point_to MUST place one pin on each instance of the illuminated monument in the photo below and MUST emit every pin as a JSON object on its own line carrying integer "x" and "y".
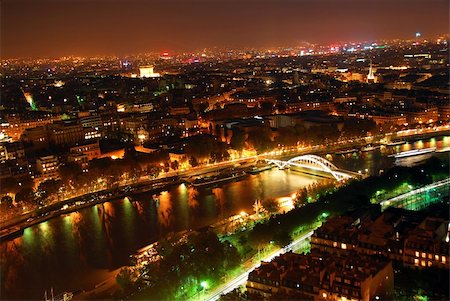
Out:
{"x": 147, "y": 71}
{"x": 371, "y": 77}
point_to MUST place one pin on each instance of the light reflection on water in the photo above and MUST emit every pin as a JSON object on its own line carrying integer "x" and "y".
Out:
{"x": 66, "y": 253}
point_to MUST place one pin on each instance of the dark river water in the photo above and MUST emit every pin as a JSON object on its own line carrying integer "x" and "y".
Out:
{"x": 78, "y": 250}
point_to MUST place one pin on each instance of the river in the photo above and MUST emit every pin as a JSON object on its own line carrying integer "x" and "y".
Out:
{"x": 78, "y": 250}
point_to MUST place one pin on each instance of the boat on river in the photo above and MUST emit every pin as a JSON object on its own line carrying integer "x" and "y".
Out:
{"x": 11, "y": 233}
{"x": 396, "y": 143}
{"x": 413, "y": 157}
{"x": 256, "y": 170}
{"x": 220, "y": 178}
{"x": 369, "y": 148}
{"x": 347, "y": 151}
{"x": 414, "y": 152}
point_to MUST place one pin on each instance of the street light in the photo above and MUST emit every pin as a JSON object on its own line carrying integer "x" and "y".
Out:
{"x": 204, "y": 285}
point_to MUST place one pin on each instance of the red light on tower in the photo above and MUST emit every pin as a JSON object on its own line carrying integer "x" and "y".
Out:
{"x": 165, "y": 55}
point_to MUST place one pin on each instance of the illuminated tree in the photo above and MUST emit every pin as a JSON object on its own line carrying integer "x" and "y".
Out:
{"x": 124, "y": 279}
{"x": 260, "y": 139}
{"x": 70, "y": 172}
{"x": 271, "y": 205}
{"x": 237, "y": 141}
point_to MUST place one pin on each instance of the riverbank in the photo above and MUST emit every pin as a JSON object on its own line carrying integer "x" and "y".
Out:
{"x": 102, "y": 290}
{"x": 13, "y": 228}
{"x": 72, "y": 247}
{"x": 227, "y": 230}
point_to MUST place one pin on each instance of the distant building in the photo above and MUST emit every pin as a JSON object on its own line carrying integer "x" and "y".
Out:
{"x": 91, "y": 150}
{"x": 420, "y": 115}
{"x": 147, "y": 71}
{"x": 92, "y": 121}
{"x": 36, "y": 138}
{"x": 295, "y": 107}
{"x": 10, "y": 151}
{"x": 279, "y": 121}
{"x": 371, "y": 75}
{"x": 133, "y": 124}
{"x": 444, "y": 112}
{"x": 66, "y": 133}
{"x": 184, "y": 110}
{"x": 14, "y": 168}
{"x": 47, "y": 168}
{"x": 178, "y": 155}
{"x": 389, "y": 118}
{"x": 16, "y": 125}
{"x": 79, "y": 158}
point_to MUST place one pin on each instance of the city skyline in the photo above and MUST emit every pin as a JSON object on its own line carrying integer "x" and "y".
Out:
{"x": 224, "y": 150}
{"x": 46, "y": 28}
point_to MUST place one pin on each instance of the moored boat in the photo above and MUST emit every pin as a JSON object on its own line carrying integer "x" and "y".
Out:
{"x": 256, "y": 170}
{"x": 396, "y": 143}
{"x": 207, "y": 181}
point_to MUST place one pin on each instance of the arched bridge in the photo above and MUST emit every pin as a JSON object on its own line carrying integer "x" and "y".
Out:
{"x": 313, "y": 162}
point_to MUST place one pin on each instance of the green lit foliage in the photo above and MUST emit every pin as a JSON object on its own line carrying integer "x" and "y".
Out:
{"x": 420, "y": 297}
{"x": 187, "y": 268}
{"x": 355, "y": 195}
{"x": 413, "y": 284}
{"x": 400, "y": 180}
{"x": 302, "y": 197}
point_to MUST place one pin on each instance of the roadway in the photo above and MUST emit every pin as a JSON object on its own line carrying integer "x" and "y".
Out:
{"x": 11, "y": 229}
{"x": 242, "y": 278}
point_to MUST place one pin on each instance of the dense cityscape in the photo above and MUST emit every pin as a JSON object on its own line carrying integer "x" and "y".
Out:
{"x": 315, "y": 171}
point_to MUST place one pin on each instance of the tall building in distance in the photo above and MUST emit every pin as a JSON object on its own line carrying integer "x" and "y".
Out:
{"x": 371, "y": 76}
{"x": 295, "y": 78}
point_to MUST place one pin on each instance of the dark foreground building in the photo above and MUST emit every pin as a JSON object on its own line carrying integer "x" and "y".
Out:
{"x": 320, "y": 275}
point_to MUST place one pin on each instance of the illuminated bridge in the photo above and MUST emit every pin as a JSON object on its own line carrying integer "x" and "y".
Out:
{"x": 314, "y": 163}
{"x": 420, "y": 198}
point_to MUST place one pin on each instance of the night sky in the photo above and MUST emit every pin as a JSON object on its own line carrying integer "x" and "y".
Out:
{"x": 49, "y": 28}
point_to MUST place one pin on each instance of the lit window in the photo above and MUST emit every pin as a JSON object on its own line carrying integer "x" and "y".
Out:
{"x": 424, "y": 255}
{"x": 423, "y": 263}
{"x": 324, "y": 295}
{"x": 436, "y": 257}
{"x": 444, "y": 259}
{"x": 344, "y": 246}
{"x": 416, "y": 261}
{"x": 417, "y": 254}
